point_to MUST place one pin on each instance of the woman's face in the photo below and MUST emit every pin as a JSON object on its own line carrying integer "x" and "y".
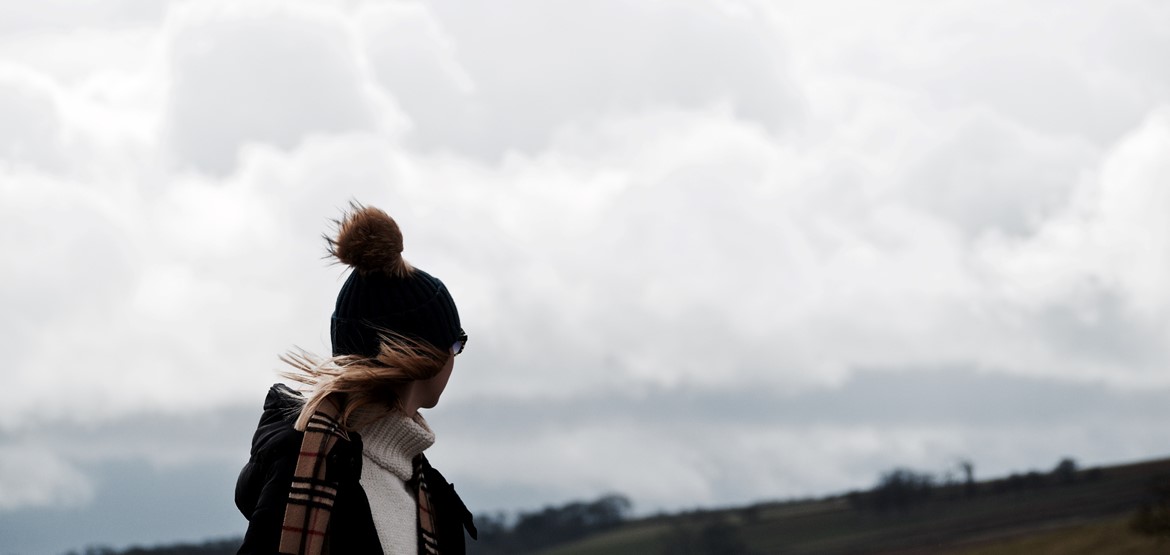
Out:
{"x": 430, "y": 390}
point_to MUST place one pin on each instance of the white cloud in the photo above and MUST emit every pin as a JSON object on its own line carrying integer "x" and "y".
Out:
{"x": 532, "y": 67}
{"x": 1130, "y": 234}
{"x": 1081, "y": 68}
{"x": 1099, "y": 267}
{"x": 32, "y": 133}
{"x": 412, "y": 56}
{"x": 67, "y": 16}
{"x": 1109, "y": 236}
{"x": 268, "y": 74}
{"x": 994, "y": 175}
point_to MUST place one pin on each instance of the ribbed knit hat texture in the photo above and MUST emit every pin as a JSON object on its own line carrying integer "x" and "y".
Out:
{"x": 384, "y": 293}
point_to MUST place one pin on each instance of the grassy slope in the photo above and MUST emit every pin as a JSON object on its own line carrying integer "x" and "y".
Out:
{"x": 628, "y": 540}
{"x": 1108, "y": 537}
{"x": 1089, "y": 514}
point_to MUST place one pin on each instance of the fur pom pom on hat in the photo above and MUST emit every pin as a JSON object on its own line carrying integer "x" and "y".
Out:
{"x": 384, "y": 294}
{"x": 369, "y": 240}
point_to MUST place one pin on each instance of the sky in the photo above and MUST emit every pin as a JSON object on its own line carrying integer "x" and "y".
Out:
{"x": 708, "y": 253}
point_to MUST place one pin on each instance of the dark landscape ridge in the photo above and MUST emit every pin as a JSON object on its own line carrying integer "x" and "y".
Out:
{"x": 1101, "y": 510}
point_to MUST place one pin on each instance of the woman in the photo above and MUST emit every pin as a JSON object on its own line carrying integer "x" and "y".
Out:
{"x": 341, "y": 470}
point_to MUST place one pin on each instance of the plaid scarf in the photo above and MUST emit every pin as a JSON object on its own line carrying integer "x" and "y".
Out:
{"x": 442, "y": 516}
{"x": 311, "y": 496}
{"x": 428, "y": 540}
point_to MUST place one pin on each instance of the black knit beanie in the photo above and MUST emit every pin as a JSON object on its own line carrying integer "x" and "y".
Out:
{"x": 384, "y": 294}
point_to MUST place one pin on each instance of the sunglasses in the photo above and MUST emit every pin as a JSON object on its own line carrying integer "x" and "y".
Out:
{"x": 457, "y": 346}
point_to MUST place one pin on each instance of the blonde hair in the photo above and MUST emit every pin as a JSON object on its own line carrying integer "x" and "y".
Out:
{"x": 365, "y": 386}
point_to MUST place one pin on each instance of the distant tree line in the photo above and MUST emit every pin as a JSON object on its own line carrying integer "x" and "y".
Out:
{"x": 533, "y": 531}
{"x": 902, "y": 488}
{"x": 1066, "y": 473}
{"x": 210, "y": 547}
{"x": 899, "y": 489}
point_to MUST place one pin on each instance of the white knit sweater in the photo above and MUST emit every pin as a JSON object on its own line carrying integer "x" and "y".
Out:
{"x": 389, "y": 446}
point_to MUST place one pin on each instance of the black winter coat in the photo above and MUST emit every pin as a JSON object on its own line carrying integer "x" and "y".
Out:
{"x": 263, "y": 485}
{"x": 262, "y": 488}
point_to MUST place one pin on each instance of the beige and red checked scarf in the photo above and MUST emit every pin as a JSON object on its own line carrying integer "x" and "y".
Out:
{"x": 311, "y": 497}
{"x": 428, "y": 541}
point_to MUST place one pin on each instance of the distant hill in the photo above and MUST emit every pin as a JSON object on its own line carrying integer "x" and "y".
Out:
{"x": 1063, "y": 511}
{"x": 1060, "y": 512}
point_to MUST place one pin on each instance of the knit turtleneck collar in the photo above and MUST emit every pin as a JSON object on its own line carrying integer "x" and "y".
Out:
{"x": 393, "y": 441}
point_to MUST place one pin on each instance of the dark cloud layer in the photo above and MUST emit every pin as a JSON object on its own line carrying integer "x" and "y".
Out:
{"x": 942, "y": 397}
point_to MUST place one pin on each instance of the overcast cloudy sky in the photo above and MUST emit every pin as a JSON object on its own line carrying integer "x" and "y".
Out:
{"x": 708, "y": 252}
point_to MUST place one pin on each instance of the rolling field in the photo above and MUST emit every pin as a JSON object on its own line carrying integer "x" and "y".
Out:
{"x": 1089, "y": 515}
{"x": 1107, "y": 537}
